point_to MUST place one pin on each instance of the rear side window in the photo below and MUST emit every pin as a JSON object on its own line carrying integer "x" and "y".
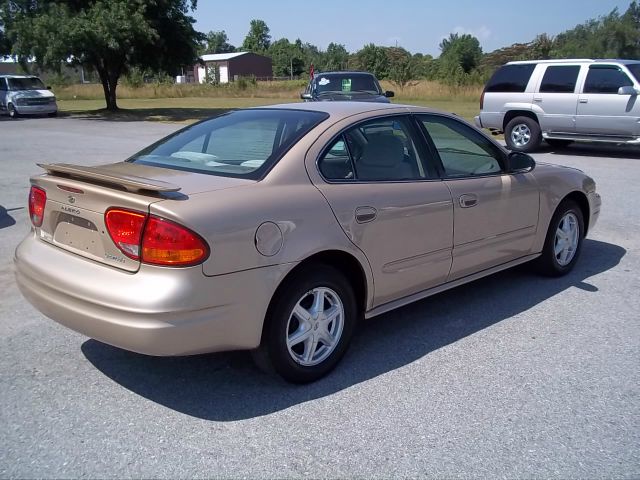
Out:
{"x": 560, "y": 79}
{"x": 605, "y": 79}
{"x": 3, "y": 85}
{"x": 511, "y": 78}
{"x": 635, "y": 70}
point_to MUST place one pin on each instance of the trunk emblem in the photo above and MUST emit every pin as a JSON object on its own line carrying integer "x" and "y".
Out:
{"x": 71, "y": 199}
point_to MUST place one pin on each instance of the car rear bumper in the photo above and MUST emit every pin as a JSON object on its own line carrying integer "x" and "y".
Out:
{"x": 156, "y": 311}
{"x": 36, "y": 109}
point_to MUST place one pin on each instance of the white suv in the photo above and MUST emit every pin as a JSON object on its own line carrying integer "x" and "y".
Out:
{"x": 26, "y": 95}
{"x": 562, "y": 101}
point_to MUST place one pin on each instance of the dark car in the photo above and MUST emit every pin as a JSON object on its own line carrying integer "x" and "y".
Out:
{"x": 350, "y": 86}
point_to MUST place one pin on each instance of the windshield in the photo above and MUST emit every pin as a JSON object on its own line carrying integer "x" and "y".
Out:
{"x": 346, "y": 83}
{"x": 242, "y": 144}
{"x": 29, "y": 83}
{"x": 634, "y": 68}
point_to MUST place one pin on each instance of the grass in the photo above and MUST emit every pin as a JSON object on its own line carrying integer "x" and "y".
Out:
{"x": 188, "y": 103}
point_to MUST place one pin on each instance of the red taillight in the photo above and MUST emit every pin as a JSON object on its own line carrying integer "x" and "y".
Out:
{"x": 167, "y": 243}
{"x": 154, "y": 240}
{"x": 37, "y": 202}
{"x": 125, "y": 228}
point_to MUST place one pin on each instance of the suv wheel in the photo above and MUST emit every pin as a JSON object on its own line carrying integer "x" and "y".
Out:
{"x": 13, "y": 113}
{"x": 522, "y": 134}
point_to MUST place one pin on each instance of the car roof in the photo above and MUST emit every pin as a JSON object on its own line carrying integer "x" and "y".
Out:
{"x": 346, "y": 108}
{"x": 18, "y": 76}
{"x": 575, "y": 60}
{"x": 345, "y": 72}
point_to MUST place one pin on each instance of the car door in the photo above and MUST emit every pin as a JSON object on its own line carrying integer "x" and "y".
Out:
{"x": 558, "y": 98}
{"x": 495, "y": 213}
{"x": 3, "y": 93}
{"x": 390, "y": 202}
{"x": 601, "y": 110}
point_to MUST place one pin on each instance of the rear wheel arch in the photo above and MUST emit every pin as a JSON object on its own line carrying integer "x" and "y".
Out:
{"x": 343, "y": 262}
{"x": 511, "y": 114}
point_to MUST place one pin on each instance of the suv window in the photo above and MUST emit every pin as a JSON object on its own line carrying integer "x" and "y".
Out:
{"x": 3, "y": 85}
{"x": 605, "y": 79}
{"x": 511, "y": 78}
{"x": 463, "y": 151}
{"x": 634, "y": 68}
{"x": 560, "y": 79}
{"x": 376, "y": 150}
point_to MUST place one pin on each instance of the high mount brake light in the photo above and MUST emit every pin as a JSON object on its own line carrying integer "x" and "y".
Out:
{"x": 154, "y": 240}
{"x": 37, "y": 202}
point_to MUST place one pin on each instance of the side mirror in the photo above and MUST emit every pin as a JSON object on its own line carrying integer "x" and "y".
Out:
{"x": 306, "y": 96}
{"x": 48, "y": 87}
{"x": 628, "y": 90}
{"x": 519, "y": 162}
{"x": 389, "y": 94}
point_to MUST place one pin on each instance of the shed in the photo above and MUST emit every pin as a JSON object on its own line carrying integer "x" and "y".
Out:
{"x": 230, "y": 66}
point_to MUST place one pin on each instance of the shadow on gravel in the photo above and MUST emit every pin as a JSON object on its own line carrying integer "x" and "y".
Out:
{"x": 227, "y": 387}
{"x": 594, "y": 150}
{"x": 7, "y": 220}
{"x": 147, "y": 114}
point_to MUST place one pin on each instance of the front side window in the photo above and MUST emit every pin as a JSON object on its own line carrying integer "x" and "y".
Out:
{"x": 28, "y": 83}
{"x": 376, "y": 150}
{"x": 634, "y": 68}
{"x": 560, "y": 79}
{"x": 3, "y": 85}
{"x": 241, "y": 144}
{"x": 605, "y": 79}
{"x": 463, "y": 151}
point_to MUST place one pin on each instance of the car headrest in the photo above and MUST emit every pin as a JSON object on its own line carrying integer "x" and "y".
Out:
{"x": 383, "y": 151}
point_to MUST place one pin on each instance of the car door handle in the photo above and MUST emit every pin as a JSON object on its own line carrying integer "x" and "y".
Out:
{"x": 365, "y": 214}
{"x": 584, "y": 100}
{"x": 537, "y": 99}
{"x": 468, "y": 200}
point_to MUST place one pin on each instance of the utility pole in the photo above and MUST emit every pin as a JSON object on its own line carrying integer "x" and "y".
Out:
{"x": 291, "y": 69}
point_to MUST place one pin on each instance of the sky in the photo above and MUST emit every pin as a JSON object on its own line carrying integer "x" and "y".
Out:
{"x": 416, "y": 25}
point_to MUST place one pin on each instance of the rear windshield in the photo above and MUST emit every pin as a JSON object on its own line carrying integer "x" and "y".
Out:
{"x": 634, "y": 68}
{"x": 31, "y": 83}
{"x": 511, "y": 78}
{"x": 243, "y": 143}
{"x": 346, "y": 83}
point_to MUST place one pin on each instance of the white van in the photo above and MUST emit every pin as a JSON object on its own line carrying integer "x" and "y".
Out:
{"x": 26, "y": 95}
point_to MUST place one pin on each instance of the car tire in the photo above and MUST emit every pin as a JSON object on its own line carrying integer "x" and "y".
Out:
{"x": 563, "y": 242}
{"x": 558, "y": 143}
{"x": 298, "y": 311}
{"x": 13, "y": 113}
{"x": 522, "y": 134}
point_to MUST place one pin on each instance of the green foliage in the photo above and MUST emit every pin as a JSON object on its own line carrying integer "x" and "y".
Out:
{"x": 216, "y": 42}
{"x": 112, "y": 36}
{"x": 258, "y": 39}
{"x": 609, "y": 36}
{"x": 288, "y": 58}
{"x": 336, "y": 57}
{"x": 402, "y": 66}
{"x": 461, "y": 50}
{"x": 374, "y": 59}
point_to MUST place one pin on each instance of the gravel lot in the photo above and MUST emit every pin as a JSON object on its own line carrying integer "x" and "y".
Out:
{"x": 511, "y": 376}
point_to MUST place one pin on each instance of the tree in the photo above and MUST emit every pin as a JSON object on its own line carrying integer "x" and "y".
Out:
{"x": 463, "y": 50}
{"x": 110, "y": 36}
{"x": 287, "y": 58}
{"x": 258, "y": 39}
{"x": 336, "y": 57}
{"x": 216, "y": 42}
{"x": 402, "y": 66}
{"x": 373, "y": 59}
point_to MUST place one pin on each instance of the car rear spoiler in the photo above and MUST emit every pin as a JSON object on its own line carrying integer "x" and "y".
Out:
{"x": 103, "y": 175}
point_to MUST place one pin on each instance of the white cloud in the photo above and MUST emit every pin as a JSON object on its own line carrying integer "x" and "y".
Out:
{"x": 481, "y": 33}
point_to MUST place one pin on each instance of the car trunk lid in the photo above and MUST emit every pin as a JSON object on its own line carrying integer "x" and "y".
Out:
{"x": 78, "y": 197}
